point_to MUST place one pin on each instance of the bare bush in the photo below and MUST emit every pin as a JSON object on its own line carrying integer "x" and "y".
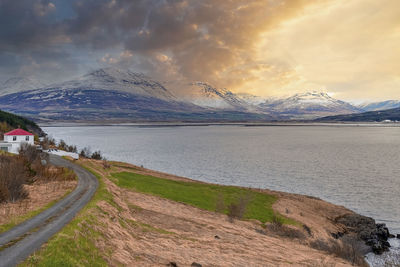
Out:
{"x": 237, "y": 209}
{"x": 277, "y": 227}
{"x": 106, "y": 164}
{"x": 12, "y": 179}
{"x": 220, "y": 204}
{"x": 53, "y": 173}
{"x": 348, "y": 249}
{"x": 29, "y": 153}
{"x": 308, "y": 230}
{"x": 47, "y": 142}
{"x": 277, "y": 221}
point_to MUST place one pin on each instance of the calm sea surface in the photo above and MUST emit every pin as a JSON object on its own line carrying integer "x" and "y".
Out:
{"x": 358, "y": 167}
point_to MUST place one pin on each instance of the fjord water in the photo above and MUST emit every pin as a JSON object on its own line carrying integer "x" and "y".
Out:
{"x": 354, "y": 166}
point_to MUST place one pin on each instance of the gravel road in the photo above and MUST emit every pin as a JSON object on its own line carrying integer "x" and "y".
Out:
{"x": 24, "y": 239}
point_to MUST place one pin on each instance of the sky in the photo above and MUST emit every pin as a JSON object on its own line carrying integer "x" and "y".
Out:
{"x": 350, "y": 49}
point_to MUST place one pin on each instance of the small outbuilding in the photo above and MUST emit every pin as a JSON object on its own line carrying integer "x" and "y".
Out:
{"x": 14, "y": 139}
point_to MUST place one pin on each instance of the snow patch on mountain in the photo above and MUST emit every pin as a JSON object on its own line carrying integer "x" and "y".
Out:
{"x": 205, "y": 95}
{"x": 251, "y": 99}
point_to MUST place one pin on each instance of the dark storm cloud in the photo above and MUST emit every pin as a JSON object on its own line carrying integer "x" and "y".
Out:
{"x": 201, "y": 40}
{"x": 27, "y": 24}
{"x": 192, "y": 39}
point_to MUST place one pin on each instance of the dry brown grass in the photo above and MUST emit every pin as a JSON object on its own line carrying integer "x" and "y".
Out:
{"x": 279, "y": 229}
{"x": 347, "y": 249}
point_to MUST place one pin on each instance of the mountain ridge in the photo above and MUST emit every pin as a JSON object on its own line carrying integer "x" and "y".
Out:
{"x": 18, "y": 84}
{"x": 108, "y": 93}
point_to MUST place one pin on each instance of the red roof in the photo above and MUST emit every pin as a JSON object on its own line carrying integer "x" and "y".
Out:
{"x": 18, "y": 132}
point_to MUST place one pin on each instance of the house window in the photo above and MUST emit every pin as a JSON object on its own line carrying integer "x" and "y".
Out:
{"x": 26, "y": 138}
{"x": 14, "y": 138}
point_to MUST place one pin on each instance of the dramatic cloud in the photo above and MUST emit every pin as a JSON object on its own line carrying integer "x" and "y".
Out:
{"x": 266, "y": 47}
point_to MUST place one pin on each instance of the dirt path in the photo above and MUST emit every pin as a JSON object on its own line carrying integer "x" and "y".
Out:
{"x": 22, "y": 240}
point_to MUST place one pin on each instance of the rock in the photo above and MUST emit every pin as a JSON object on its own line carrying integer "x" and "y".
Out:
{"x": 375, "y": 235}
{"x": 195, "y": 264}
{"x": 398, "y": 236}
{"x": 172, "y": 264}
{"x": 382, "y": 231}
{"x": 217, "y": 237}
{"x": 337, "y": 235}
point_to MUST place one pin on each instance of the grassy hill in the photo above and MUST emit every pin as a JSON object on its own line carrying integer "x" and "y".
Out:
{"x": 371, "y": 116}
{"x": 9, "y": 121}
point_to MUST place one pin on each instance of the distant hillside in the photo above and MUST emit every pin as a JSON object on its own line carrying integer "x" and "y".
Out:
{"x": 383, "y": 105}
{"x": 11, "y": 121}
{"x": 371, "y": 116}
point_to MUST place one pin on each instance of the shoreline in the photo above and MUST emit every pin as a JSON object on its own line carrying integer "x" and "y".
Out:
{"x": 375, "y": 235}
{"x": 352, "y": 223}
{"x": 373, "y": 239}
{"x": 246, "y": 124}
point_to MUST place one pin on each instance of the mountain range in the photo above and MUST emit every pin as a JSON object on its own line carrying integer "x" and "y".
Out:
{"x": 388, "y": 104}
{"x": 111, "y": 94}
{"x": 388, "y": 115}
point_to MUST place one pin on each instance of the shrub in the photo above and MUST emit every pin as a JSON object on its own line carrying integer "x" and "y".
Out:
{"x": 96, "y": 155}
{"x": 278, "y": 228}
{"x": 85, "y": 153}
{"x": 12, "y": 179}
{"x": 106, "y": 165}
{"x": 62, "y": 145}
{"x": 347, "y": 249}
{"x": 308, "y": 230}
{"x": 72, "y": 149}
{"x": 29, "y": 153}
{"x": 238, "y": 209}
{"x": 220, "y": 204}
{"x": 277, "y": 221}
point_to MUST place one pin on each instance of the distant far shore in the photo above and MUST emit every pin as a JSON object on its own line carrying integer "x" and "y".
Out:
{"x": 247, "y": 124}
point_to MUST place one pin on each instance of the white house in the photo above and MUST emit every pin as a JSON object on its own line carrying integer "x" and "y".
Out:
{"x": 13, "y": 140}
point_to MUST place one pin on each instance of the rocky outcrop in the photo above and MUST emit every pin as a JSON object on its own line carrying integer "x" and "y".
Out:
{"x": 375, "y": 235}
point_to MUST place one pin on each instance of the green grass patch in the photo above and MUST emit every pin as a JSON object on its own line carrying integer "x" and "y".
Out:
{"x": 75, "y": 245}
{"x": 204, "y": 196}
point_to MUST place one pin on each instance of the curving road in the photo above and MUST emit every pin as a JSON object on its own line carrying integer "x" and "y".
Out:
{"x": 24, "y": 239}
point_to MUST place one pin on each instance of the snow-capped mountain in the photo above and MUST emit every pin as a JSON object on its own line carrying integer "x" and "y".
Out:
{"x": 205, "y": 95}
{"x": 18, "y": 84}
{"x": 116, "y": 95}
{"x": 251, "y": 99}
{"x": 118, "y": 80}
{"x": 389, "y": 104}
{"x": 99, "y": 95}
{"x": 123, "y": 95}
{"x": 308, "y": 105}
